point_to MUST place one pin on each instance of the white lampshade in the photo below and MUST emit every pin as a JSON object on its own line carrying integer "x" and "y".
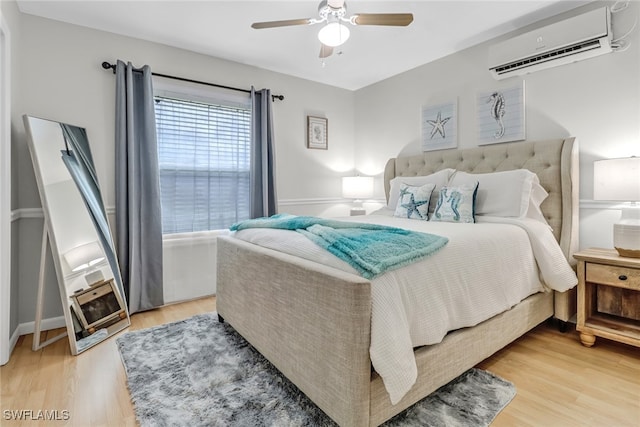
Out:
{"x": 357, "y": 187}
{"x": 619, "y": 180}
{"x": 84, "y": 256}
{"x": 333, "y": 34}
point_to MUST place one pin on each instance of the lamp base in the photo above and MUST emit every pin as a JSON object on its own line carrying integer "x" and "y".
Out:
{"x": 94, "y": 277}
{"x": 357, "y": 208}
{"x": 626, "y": 233}
{"x": 629, "y": 253}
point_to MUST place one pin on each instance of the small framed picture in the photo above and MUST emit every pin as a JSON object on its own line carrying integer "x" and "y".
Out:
{"x": 317, "y": 131}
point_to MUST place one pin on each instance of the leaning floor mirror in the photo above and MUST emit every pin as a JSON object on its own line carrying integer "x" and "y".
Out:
{"x": 77, "y": 231}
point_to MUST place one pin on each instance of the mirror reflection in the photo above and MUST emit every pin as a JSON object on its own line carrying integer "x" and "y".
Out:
{"x": 78, "y": 233}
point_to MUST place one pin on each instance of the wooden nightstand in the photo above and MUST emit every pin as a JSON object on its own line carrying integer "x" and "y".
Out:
{"x": 608, "y": 297}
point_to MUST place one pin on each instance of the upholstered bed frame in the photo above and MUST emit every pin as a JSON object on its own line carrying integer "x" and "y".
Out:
{"x": 313, "y": 322}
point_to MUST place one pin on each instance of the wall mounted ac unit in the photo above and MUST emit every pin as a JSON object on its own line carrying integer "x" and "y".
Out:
{"x": 581, "y": 37}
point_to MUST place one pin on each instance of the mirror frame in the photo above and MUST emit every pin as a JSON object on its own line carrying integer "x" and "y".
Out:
{"x": 98, "y": 286}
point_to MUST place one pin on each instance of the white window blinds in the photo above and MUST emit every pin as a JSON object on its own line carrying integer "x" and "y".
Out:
{"x": 203, "y": 155}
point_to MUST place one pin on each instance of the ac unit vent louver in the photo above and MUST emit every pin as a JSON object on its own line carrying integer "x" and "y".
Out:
{"x": 577, "y": 38}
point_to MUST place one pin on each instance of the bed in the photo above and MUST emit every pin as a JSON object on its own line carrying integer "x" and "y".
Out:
{"x": 313, "y": 321}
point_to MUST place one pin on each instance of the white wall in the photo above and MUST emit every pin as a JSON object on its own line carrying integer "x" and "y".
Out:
{"x": 61, "y": 79}
{"x": 60, "y": 66}
{"x": 596, "y": 100}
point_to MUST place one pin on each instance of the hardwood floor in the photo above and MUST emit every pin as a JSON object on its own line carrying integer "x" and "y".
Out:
{"x": 559, "y": 382}
{"x": 92, "y": 387}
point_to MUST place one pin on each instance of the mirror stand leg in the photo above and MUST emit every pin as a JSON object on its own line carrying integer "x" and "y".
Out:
{"x": 37, "y": 327}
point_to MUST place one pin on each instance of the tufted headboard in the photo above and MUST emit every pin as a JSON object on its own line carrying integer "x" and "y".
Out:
{"x": 554, "y": 161}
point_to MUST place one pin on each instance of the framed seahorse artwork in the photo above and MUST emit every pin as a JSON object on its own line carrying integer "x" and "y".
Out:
{"x": 440, "y": 126}
{"x": 501, "y": 115}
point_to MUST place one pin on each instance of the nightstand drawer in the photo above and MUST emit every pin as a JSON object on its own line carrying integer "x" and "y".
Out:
{"x": 611, "y": 275}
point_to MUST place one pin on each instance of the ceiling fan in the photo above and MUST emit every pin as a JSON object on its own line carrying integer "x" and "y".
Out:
{"x": 333, "y": 14}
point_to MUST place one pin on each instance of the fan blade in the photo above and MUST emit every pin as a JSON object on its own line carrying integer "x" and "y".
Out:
{"x": 286, "y": 23}
{"x": 394, "y": 19}
{"x": 325, "y": 51}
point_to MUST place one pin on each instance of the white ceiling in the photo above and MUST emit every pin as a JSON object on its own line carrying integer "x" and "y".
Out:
{"x": 373, "y": 53}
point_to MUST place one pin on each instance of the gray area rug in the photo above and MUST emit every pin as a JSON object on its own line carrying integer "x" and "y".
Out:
{"x": 199, "y": 372}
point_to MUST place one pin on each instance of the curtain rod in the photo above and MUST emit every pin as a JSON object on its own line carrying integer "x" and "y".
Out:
{"x": 107, "y": 66}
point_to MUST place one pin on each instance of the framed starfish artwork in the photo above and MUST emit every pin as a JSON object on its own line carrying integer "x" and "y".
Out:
{"x": 440, "y": 126}
{"x": 501, "y": 115}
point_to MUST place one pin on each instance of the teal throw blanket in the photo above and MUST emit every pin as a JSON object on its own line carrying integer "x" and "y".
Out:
{"x": 371, "y": 249}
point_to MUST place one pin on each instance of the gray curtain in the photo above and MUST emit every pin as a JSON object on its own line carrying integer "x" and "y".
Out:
{"x": 263, "y": 182}
{"x": 76, "y": 140}
{"x": 80, "y": 172}
{"x": 138, "y": 215}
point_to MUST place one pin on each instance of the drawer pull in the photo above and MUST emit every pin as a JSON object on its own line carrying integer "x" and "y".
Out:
{"x": 622, "y": 277}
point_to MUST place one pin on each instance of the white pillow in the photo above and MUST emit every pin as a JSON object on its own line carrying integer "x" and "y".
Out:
{"x": 456, "y": 203}
{"x": 538, "y": 194}
{"x": 439, "y": 178}
{"x": 413, "y": 202}
{"x": 505, "y": 194}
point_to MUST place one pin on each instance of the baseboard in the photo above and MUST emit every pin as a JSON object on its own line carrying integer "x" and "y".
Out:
{"x": 13, "y": 340}
{"x": 45, "y": 325}
{"x": 28, "y": 327}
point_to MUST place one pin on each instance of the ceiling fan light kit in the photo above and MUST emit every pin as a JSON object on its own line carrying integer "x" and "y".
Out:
{"x": 335, "y": 32}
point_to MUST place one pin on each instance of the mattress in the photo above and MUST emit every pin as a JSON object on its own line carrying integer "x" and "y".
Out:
{"x": 485, "y": 269}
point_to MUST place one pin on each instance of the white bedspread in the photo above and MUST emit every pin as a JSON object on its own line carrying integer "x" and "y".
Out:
{"x": 485, "y": 269}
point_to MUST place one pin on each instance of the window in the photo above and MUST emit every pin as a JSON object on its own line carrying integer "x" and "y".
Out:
{"x": 204, "y": 156}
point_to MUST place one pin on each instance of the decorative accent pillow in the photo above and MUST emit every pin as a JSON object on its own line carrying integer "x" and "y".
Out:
{"x": 505, "y": 193}
{"x": 439, "y": 178}
{"x": 456, "y": 203}
{"x": 413, "y": 202}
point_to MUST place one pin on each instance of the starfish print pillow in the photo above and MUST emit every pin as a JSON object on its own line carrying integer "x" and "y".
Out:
{"x": 413, "y": 202}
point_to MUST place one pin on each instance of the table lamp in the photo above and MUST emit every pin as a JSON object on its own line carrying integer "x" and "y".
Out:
{"x": 357, "y": 188}
{"x": 619, "y": 180}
